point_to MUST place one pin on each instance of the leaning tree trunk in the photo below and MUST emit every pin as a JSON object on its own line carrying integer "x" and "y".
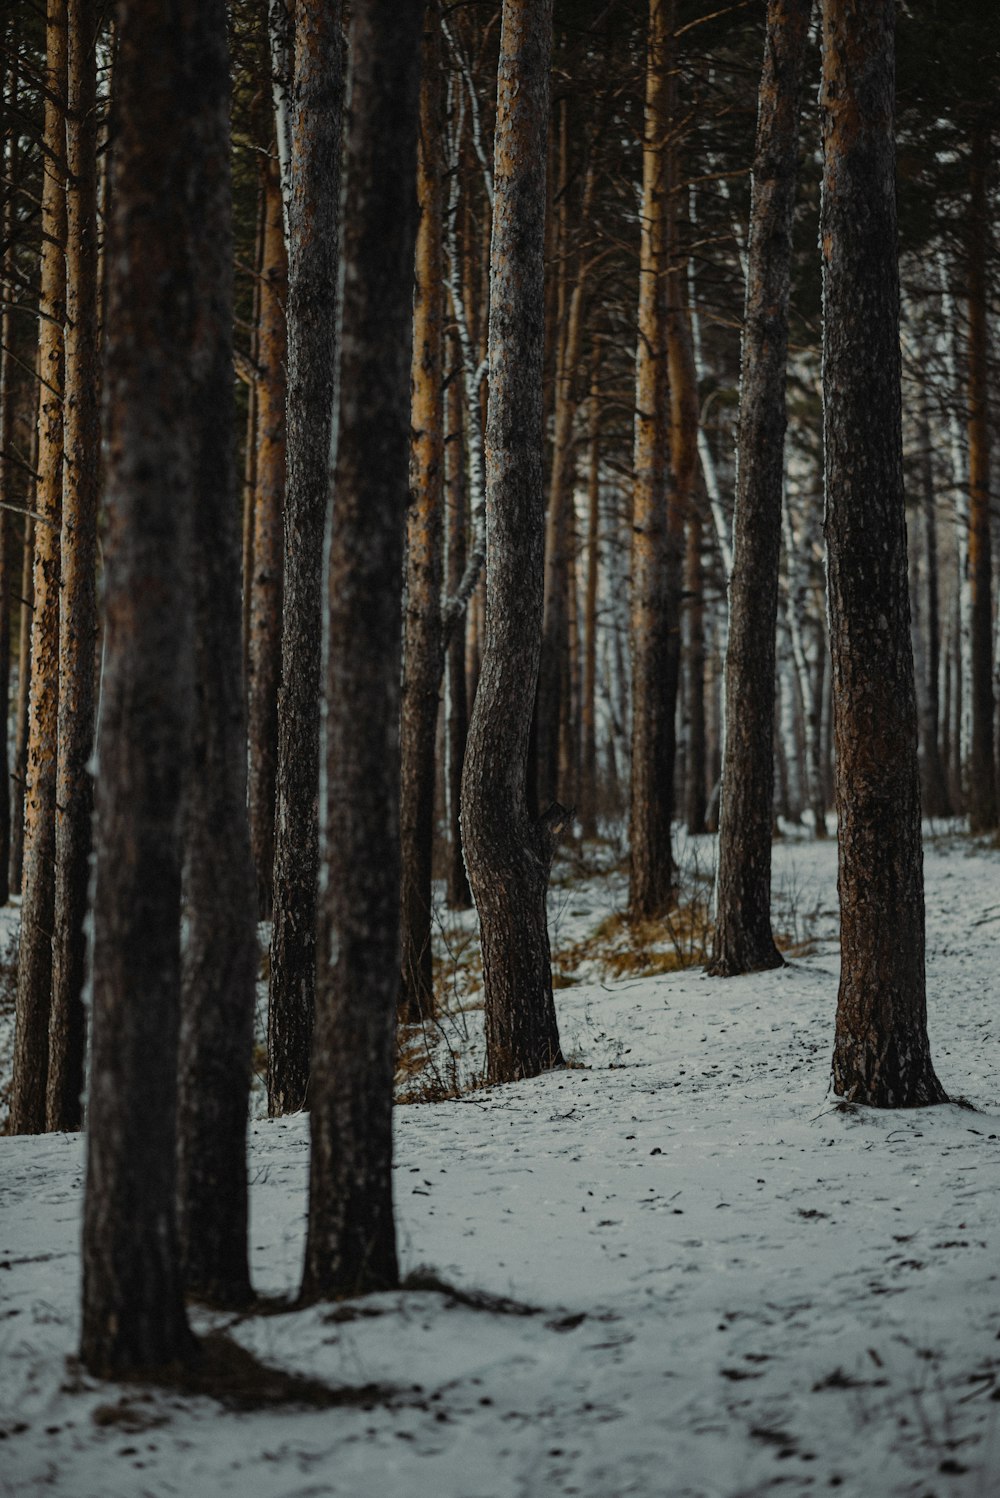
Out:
{"x": 133, "y": 1310}
{"x": 982, "y": 792}
{"x": 264, "y": 643}
{"x": 743, "y": 940}
{"x": 313, "y": 232}
{"x": 34, "y": 968}
{"x": 219, "y": 968}
{"x": 651, "y": 866}
{"x": 881, "y": 1054}
{"x": 507, "y": 854}
{"x": 351, "y": 1240}
{"x": 423, "y": 659}
{"x": 78, "y": 584}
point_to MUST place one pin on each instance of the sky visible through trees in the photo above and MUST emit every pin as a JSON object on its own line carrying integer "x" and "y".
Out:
{"x": 451, "y": 453}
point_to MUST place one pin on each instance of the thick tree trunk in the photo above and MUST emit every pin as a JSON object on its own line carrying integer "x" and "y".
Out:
{"x": 982, "y": 792}
{"x": 219, "y": 966}
{"x": 459, "y": 896}
{"x": 313, "y": 221}
{"x": 78, "y": 591}
{"x": 507, "y": 854}
{"x": 743, "y": 940}
{"x": 351, "y": 1241}
{"x": 881, "y": 1054}
{"x": 8, "y": 390}
{"x": 651, "y": 868}
{"x": 265, "y": 586}
{"x": 133, "y": 1311}
{"x": 423, "y": 643}
{"x": 34, "y": 970}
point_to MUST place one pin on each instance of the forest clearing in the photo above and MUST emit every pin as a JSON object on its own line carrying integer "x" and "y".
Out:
{"x": 679, "y": 1266}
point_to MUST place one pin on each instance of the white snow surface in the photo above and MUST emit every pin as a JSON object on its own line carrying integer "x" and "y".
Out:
{"x": 728, "y": 1286}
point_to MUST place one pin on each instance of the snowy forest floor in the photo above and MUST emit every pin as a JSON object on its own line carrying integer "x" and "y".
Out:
{"x": 677, "y": 1268}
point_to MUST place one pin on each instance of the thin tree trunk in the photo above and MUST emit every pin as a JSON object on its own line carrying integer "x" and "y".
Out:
{"x": 133, "y": 1310}
{"x": 351, "y": 1241}
{"x": 459, "y": 896}
{"x": 743, "y": 940}
{"x": 694, "y": 587}
{"x": 881, "y": 1053}
{"x": 934, "y": 783}
{"x": 651, "y": 867}
{"x": 588, "y": 718}
{"x": 265, "y": 595}
{"x": 219, "y": 964}
{"x": 23, "y": 694}
{"x": 982, "y": 797}
{"x": 74, "y": 797}
{"x": 507, "y": 853}
{"x": 34, "y": 971}
{"x": 423, "y": 644}
{"x": 313, "y": 221}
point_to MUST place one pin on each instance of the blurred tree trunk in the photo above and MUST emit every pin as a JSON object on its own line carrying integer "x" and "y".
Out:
{"x": 881, "y": 1053}
{"x": 219, "y": 960}
{"x": 423, "y": 642}
{"x": 265, "y": 582}
{"x": 743, "y": 939}
{"x": 351, "y": 1240}
{"x": 654, "y": 611}
{"x": 935, "y": 799}
{"x": 982, "y": 793}
{"x": 588, "y": 721}
{"x": 507, "y": 853}
{"x": 34, "y": 970}
{"x": 74, "y": 796}
{"x": 313, "y": 239}
{"x": 133, "y": 1309}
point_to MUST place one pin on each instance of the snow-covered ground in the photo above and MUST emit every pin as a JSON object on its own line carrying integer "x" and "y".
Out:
{"x": 679, "y": 1268}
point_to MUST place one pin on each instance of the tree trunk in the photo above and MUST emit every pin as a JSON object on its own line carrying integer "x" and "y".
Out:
{"x": 694, "y": 587}
{"x": 74, "y": 796}
{"x": 423, "y": 658}
{"x": 351, "y": 1242}
{"x": 219, "y": 965}
{"x": 935, "y": 799}
{"x": 881, "y": 1053}
{"x": 34, "y": 969}
{"x": 265, "y": 588}
{"x": 313, "y": 223}
{"x": 588, "y": 706}
{"x": 21, "y": 708}
{"x": 459, "y": 896}
{"x": 8, "y": 409}
{"x": 133, "y": 1311}
{"x": 982, "y": 797}
{"x": 507, "y": 854}
{"x": 651, "y": 867}
{"x": 743, "y": 940}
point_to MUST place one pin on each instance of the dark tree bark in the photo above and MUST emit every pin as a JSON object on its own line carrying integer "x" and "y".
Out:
{"x": 264, "y": 645}
{"x": 133, "y": 1311}
{"x": 982, "y": 791}
{"x": 696, "y": 793}
{"x": 459, "y": 895}
{"x": 654, "y": 610}
{"x": 507, "y": 854}
{"x": 219, "y": 966}
{"x": 881, "y": 1053}
{"x": 743, "y": 940}
{"x": 351, "y": 1242}
{"x": 21, "y": 707}
{"x": 8, "y": 390}
{"x": 423, "y": 660}
{"x": 34, "y": 969}
{"x": 74, "y": 796}
{"x": 588, "y": 705}
{"x": 313, "y": 234}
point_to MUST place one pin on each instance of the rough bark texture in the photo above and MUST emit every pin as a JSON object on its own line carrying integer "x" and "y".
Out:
{"x": 264, "y": 645}
{"x": 423, "y": 660}
{"x": 351, "y": 1242}
{"x": 9, "y": 159}
{"x": 34, "y": 969}
{"x": 881, "y": 1052}
{"x": 743, "y": 940}
{"x": 459, "y": 895}
{"x": 313, "y": 214}
{"x": 651, "y": 869}
{"x": 74, "y": 796}
{"x": 219, "y": 967}
{"x": 507, "y": 854}
{"x": 982, "y": 791}
{"x": 21, "y": 708}
{"x": 133, "y": 1312}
